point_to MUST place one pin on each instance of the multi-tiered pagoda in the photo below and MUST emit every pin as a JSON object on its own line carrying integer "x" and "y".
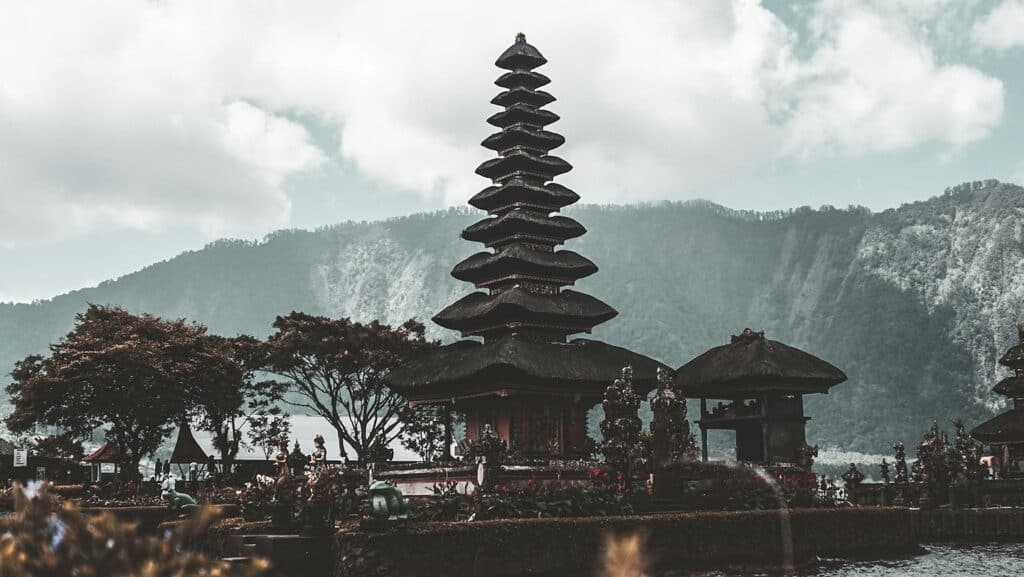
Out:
{"x": 1004, "y": 433}
{"x": 526, "y": 378}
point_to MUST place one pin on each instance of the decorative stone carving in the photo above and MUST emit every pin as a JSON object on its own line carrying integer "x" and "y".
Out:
{"x": 670, "y": 431}
{"x": 621, "y": 425}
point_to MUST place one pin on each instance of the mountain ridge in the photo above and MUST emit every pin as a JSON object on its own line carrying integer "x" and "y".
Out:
{"x": 914, "y": 303}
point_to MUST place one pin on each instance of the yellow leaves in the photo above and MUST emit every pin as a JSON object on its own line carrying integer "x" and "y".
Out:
{"x": 624, "y": 557}
{"x": 45, "y": 537}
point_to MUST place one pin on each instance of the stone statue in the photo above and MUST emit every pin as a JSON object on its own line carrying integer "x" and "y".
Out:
{"x": 671, "y": 440}
{"x": 180, "y": 503}
{"x": 167, "y": 485}
{"x": 901, "y": 462}
{"x": 318, "y": 459}
{"x": 852, "y": 477}
{"x": 806, "y": 455}
{"x": 281, "y": 459}
{"x": 621, "y": 425}
{"x": 297, "y": 460}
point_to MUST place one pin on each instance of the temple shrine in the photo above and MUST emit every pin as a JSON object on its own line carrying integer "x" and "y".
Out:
{"x": 524, "y": 377}
{"x": 760, "y": 384}
{"x": 1004, "y": 433}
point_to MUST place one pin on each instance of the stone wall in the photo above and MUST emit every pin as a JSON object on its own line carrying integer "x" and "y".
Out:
{"x": 538, "y": 546}
{"x": 968, "y": 525}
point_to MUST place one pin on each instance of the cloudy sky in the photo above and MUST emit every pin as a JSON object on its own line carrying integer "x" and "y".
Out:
{"x": 132, "y": 131}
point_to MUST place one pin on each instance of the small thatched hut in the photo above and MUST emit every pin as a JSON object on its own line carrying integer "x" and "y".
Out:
{"x": 761, "y": 383}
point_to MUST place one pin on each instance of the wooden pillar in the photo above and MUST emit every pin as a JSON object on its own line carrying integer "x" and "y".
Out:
{"x": 703, "y": 430}
{"x": 764, "y": 429}
{"x": 503, "y": 422}
{"x": 764, "y": 440}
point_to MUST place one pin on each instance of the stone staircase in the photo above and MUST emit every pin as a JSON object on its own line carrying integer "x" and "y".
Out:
{"x": 289, "y": 555}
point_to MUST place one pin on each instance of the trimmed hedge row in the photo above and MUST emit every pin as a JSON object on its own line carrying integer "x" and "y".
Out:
{"x": 524, "y": 546}
{"x": 68, "y": 491}
{"x": 149, "y": 518}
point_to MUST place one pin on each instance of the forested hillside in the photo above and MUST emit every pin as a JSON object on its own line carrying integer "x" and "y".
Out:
{"x": 915, "y": 304}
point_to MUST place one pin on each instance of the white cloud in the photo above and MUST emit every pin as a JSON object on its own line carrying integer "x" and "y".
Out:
{"x": 1002, "y": 28}
{"x": 142, "y": 114}
{"x": 874, "y": 85}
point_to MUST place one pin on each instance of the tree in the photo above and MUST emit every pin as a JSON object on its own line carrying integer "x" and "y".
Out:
{"x": 338, "y": 367}
{"x": 266, "y": 431}
{"x": 127, "y": 373}
{"x": 227, "y": 401}
{"x": 61, "y": 447}
{"x": 428, "y": 431}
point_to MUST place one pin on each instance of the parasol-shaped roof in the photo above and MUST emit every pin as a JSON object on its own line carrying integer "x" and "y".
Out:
{"x": 520, "y": 56}
{"x": 1010, "y": 387}
{"x": 751, "y": 363}
{"x": 1014, "y": 356}
{"x": 186, "y": 449}
{"x": 1005, "y": 428}
{"x": 513, "y": 364}
{"x": 107, "y": 453}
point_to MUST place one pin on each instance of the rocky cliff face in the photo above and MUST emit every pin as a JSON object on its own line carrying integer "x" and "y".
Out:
{"x": 915, "y": 304}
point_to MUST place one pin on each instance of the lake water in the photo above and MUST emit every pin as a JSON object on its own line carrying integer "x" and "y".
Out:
{"x": 996, "y": 560}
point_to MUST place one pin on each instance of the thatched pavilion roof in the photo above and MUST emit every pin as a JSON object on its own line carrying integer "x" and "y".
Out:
{"x": 515, "y": 365}
{"x": 750, "y": 363}
{"x": 1005, "y": 428}
{"x": 1010, "y": 387}
{"x": 186, "y": 449}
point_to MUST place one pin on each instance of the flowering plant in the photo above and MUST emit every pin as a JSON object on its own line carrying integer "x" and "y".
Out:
{"x": 602, "y": 494}
{"x": 255, "y": 499}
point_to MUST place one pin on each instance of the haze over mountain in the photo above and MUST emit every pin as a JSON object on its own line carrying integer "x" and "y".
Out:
{"x": 915, "y": 304}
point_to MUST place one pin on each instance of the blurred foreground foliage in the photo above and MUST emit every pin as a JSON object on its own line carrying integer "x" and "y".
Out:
{"x": 45, "y": 537}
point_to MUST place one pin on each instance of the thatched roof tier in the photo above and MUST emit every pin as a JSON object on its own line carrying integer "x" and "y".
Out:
{"x": 1011, "y": 387}
{"x": 1005, "y": 428}
{"x": 567, "y": 311}
{"x": 517, "y": 192}
{"x": 522, "y": 163}
{"x": 522, "y": 113}
{"x": 523, "y": 224}
{"x": 522, "y": 79}
{"x": 526, "y": 137}
{"x": 515, "y": 365}
{"x": 1014, "y": 358}
{"x": 513, "y": 260}
{"x": 753, "y": 364}
{"x": 521, "y": 95}
{"x": 520, "y": 56}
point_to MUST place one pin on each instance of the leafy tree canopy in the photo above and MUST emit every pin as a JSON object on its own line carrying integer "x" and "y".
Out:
{"x": 338, "y": 368}
{"x": 133, "y": 375}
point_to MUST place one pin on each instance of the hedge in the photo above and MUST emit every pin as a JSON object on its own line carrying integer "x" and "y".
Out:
{"x": 149, "y": 518}
{"x": 524, "y": 546}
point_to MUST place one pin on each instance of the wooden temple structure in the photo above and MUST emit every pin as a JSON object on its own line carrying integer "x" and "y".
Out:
{"x": 760, "y": 385}
{"x": 104, "y": 462}
{"x": 1004, "y": 433}
{"x": 519, "y": 371}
